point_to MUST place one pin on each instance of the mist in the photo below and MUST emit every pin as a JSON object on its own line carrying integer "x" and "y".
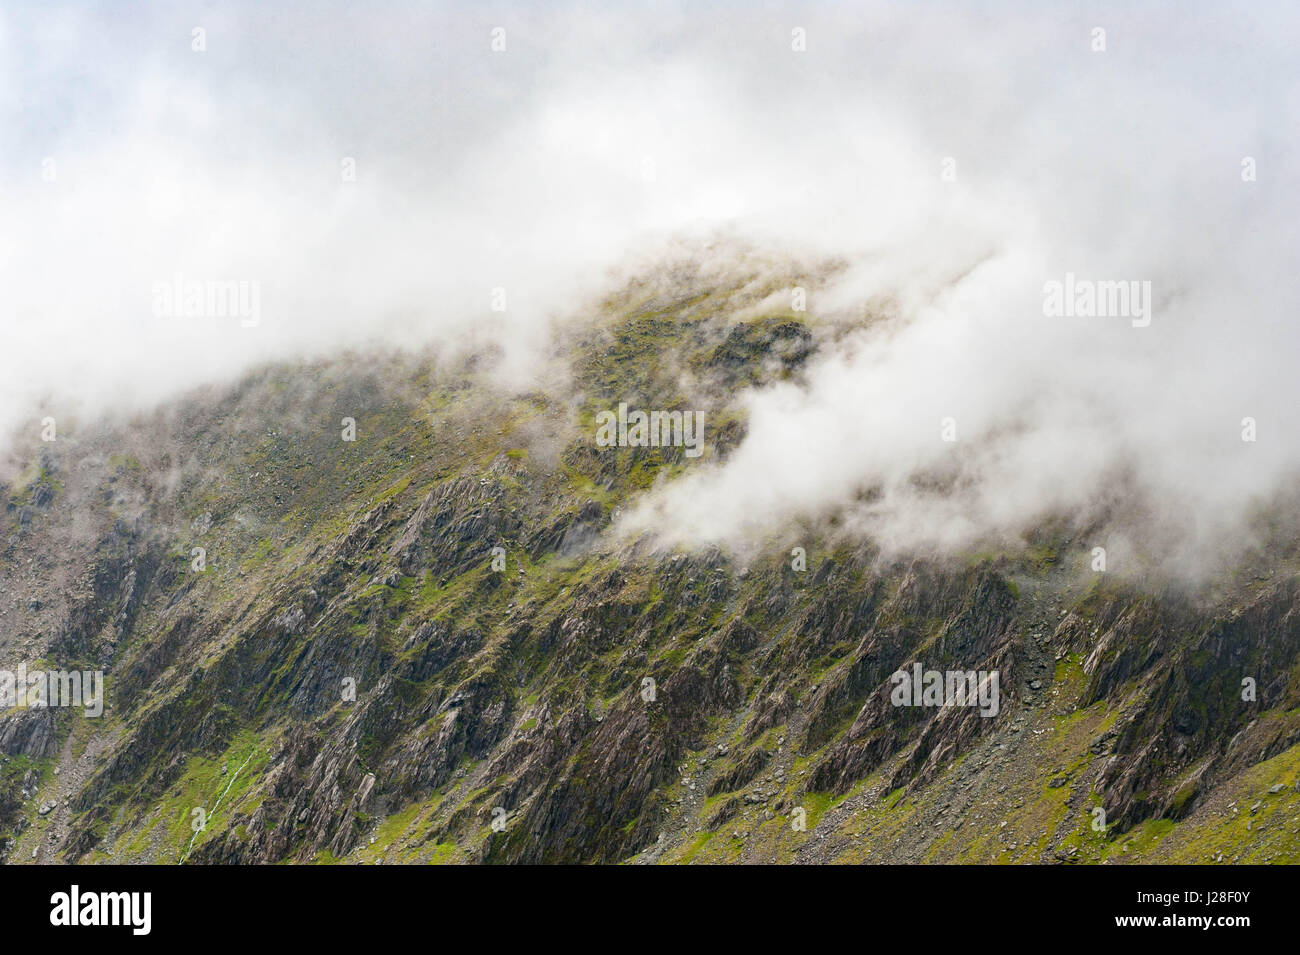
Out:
{"x": 957, "y": 161}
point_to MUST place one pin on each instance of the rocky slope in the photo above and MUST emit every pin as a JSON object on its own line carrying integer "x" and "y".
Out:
{"x": 423, "y": 645}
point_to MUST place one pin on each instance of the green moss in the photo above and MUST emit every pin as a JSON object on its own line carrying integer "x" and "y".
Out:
{"x": 202, "y": 785}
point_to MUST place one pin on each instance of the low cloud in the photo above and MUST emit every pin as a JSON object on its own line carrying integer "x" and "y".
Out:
{"x": 955, "y": 161}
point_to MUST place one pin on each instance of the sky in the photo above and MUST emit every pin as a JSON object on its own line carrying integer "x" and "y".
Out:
{"x": 957, "y": 156}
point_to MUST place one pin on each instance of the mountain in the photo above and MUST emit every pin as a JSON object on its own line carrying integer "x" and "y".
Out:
{"x": 432, "y": 643}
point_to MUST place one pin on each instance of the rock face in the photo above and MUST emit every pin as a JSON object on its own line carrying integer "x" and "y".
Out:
{"x": 425, "y": 645}
{"x": 28, "y": 733}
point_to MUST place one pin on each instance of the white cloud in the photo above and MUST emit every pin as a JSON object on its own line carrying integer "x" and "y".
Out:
{"x": 527, "y": 170}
